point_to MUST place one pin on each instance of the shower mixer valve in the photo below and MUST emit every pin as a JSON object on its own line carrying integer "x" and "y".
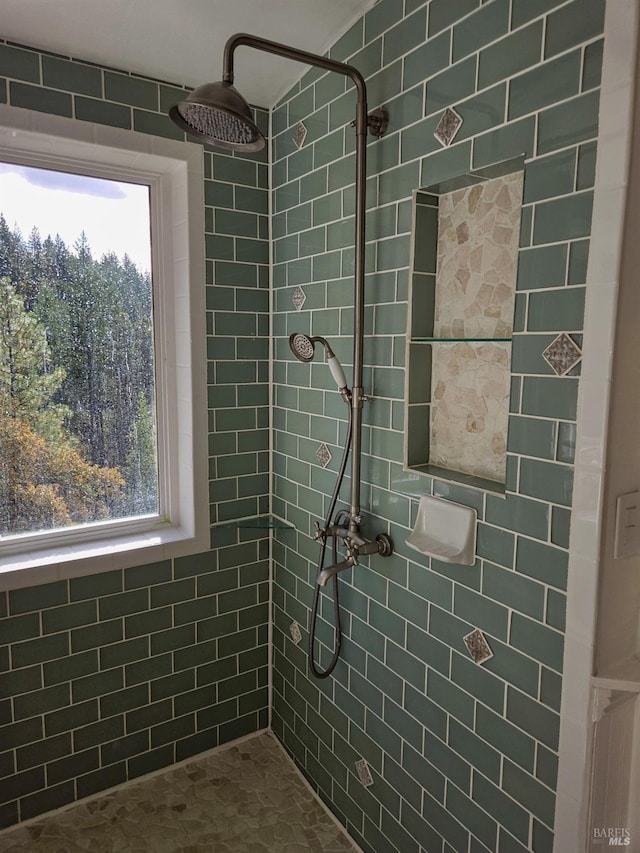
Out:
{"x": 355, "y": 547}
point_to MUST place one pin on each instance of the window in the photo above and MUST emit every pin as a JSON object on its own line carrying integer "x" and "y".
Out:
{"x": 102, "y": 386}
{"x": 77, "y": 388}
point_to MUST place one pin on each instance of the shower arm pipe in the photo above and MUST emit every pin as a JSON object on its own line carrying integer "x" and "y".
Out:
{"x": 361, "y": 125}
{"x": 298, "y": 55}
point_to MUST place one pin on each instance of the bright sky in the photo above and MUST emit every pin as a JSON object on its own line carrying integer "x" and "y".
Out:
{"x": 113, "y": 215}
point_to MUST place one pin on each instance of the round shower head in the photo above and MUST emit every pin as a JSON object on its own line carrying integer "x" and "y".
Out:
{"x": 218, "y": 114}
{"x": 301, "y": 346}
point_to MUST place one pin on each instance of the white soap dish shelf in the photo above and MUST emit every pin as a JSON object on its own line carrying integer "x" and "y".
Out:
{"x": 445, "y": 530}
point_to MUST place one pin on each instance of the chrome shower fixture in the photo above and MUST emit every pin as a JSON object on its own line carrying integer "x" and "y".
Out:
{"x": 217, "y": 114}
{"x": 302, "y": 346}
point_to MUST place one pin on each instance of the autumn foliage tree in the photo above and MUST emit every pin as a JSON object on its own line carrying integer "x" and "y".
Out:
{"x": 44, "y": 480}
{"x": 45, "y": 484}
{"x": 77, "y": 407}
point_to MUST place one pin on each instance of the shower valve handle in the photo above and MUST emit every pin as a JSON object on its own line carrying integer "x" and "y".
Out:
{"x": 337, "y": 530}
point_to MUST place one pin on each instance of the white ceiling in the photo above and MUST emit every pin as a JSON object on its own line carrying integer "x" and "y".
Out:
{"x": 182, "y": 41}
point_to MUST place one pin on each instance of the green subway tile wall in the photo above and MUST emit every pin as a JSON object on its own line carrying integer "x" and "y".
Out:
{"x": 463, "y": 757}
{"x": 109, "y": 676}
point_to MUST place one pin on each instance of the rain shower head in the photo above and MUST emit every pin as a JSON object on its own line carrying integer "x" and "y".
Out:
{"x": 302, "y": 346}
{"x": 218, "y": 114}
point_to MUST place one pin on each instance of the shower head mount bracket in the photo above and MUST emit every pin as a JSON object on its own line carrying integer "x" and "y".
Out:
{"x": 377, "y": 122}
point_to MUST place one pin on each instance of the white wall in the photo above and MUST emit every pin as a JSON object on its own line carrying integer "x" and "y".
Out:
{"x": 619, "y": 588}
{"x": 588, "y": 528}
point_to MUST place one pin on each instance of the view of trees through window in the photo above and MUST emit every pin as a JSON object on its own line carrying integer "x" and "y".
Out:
{"x": 77, "y": 408}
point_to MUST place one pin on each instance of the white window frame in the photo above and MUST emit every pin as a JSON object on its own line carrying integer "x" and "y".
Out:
{"x": 174, "y": 173}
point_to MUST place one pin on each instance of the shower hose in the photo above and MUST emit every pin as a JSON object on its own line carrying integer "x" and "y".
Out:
{"x": 340, "y": 516}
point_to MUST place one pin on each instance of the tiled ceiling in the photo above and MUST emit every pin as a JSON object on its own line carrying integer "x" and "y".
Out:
{"x": 182, "y": 41}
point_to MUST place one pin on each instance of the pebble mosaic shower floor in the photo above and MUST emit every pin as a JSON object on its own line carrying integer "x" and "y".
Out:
{"x": 246, "y": 798}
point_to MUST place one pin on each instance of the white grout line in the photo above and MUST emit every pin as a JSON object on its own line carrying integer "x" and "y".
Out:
{"x": 145, "y": 777}
{"x": 302, "y": 778}
{"x": 272, "y": 299}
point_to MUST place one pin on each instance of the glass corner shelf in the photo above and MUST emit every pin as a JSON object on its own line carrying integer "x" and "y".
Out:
{"x": 257, "y": 522}
{"x": 421, "y": 340}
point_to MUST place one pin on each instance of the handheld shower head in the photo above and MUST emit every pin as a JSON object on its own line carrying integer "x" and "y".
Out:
{"x": 302, "y": 346}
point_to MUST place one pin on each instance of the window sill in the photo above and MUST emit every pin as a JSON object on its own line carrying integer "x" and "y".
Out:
{"x": 49, "y": 564}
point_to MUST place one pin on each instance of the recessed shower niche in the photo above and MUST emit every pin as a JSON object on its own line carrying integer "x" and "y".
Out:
{"x": 466, "y": 235}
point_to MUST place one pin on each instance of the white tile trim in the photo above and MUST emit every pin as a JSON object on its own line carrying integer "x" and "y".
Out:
{"x": 612, "y": 177}
{"x": 175, "y": 170}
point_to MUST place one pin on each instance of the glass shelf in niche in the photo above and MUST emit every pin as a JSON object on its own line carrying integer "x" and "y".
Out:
{"x": 416, "y": 482}
{"x": 257, "y": 522}
{"x": 460, "y": 340}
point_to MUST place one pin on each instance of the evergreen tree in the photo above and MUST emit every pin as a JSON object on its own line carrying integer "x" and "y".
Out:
{"x": 141, "y": 474}
{"x": 13, "y": 253}
{"x": 77, "y": 363}
{"x": 44, "y": 481}
{"x": 28, "y": 380}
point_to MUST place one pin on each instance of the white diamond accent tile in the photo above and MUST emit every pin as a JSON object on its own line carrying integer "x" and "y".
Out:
{"x": 324, "y": 455}
{"x": 446, "y": 129}
{"x": 364, "y": 773}
{"x": 299, "y": 298}
{"x": 300, "y": 135}
{"x": 477, "y": 646}
{"x": 296, "y": 634}
{"x": 562, "y": 354}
